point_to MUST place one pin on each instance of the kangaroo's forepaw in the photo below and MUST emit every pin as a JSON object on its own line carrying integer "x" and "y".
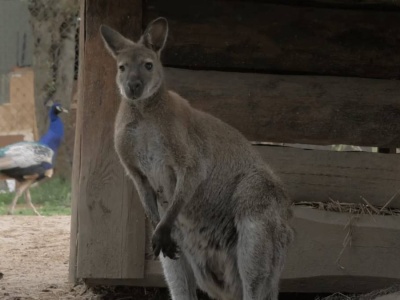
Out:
{"x": 162, "y": 241}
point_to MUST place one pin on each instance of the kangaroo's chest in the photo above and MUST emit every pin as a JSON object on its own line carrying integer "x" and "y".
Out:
{"x": 140, "y": 143}
{"x": 142, "y": 146}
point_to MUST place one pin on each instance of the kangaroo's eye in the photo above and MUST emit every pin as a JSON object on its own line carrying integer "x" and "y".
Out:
{"x": 121, "y": 68}
{"x": 148, "y": 66}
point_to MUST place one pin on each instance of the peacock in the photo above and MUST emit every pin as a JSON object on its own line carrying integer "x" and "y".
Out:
{"x": 29, "y": 162}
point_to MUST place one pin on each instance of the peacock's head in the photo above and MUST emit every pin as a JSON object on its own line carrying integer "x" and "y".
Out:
{"x": 55, "y": 108}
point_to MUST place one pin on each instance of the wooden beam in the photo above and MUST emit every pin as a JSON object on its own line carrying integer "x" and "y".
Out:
{"x": 385, "y": 5}
{"x": 318, "y": 176}
{"x": 263, "y": 37}
{"x": 110, "y": 218}
{"x": 153, "y": 277}
{"x": 317, "y": 260}
{"x": 76, "y": 167}
{"x": 297, "y": 109}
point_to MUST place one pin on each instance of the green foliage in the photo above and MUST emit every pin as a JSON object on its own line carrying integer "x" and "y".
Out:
{"x": 51, "y": 197}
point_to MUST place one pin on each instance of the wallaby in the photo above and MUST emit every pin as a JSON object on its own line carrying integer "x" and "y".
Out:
{"x": 220, "y": 215}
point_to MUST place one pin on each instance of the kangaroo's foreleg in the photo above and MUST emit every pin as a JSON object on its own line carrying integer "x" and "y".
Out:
{"x": 186, "y": 185}
{"x": 147, "y": 196}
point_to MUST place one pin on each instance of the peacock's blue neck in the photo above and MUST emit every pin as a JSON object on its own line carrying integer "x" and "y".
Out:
{"x": 54, "y": 135}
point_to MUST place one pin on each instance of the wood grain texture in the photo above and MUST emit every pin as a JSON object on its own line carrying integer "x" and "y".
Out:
{"x": 76, "y": 166}
{"x": 110, "y": 218}
{"x": 263, "y": 37}
{"x": 297, "y": 109}
{"x": 316, "y": 176}
{"x": 370, "y": 263}
{"x": 153, "y": 277}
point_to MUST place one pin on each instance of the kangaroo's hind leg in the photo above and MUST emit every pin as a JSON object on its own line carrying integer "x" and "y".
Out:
{"x": 262, "y": 248}
{"x": 180, "y": 279}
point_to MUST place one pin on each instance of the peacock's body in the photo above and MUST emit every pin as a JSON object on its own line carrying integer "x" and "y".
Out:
{"x": 29, "y": 162}
{"x": 26, "y": 159}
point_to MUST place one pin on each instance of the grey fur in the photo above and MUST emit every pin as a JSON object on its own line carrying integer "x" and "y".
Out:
{"x": 220, "y": 214}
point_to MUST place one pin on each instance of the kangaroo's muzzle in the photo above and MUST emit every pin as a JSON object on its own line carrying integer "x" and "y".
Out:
{"x": 135, "y": 89}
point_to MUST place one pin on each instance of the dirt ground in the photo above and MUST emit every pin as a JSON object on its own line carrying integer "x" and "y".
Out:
{"x": 34, "y": 255}
{"x": 34, "y": 258}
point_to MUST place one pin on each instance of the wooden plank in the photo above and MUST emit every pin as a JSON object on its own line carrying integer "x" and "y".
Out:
{"x": 76, "y": 166}
{"x": 153, "y": 277}
{"x": 297, "y": 109}
{"x": 110, "y": 216}
{"x": 262, "y": 37}
{"x": 316, "y": 176}
{"x": 371, "y": 262}
{"x": 388, "y": 5}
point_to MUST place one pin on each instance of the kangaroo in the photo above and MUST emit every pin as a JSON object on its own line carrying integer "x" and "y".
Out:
{"x": 220, "y": 214}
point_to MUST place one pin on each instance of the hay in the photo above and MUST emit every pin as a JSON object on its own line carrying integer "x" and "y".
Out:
{"x": 347, "y": 239}
{"x": 336, "y": 296}
{"x": 353, "y": 208}
{"x": 370, "y": 296}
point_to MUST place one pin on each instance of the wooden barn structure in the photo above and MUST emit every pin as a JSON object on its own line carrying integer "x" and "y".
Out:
{"x": 316, "y": 72}
{"x": 17, "y": 114}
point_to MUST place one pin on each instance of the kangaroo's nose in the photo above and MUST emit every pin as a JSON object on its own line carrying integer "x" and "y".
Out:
{"x": 135, "y": 86}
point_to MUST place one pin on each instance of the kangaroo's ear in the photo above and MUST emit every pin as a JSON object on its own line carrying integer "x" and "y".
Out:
{"x": 155, "y": 35}
{"x": 113, "y": 40}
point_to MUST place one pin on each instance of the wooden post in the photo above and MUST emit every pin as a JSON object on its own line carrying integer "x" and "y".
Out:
{"x": 77, "y": 152}
{"x": 108, "y": 222}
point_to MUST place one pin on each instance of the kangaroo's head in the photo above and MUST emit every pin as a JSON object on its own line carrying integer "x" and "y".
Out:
{"x": 140, "y": 73}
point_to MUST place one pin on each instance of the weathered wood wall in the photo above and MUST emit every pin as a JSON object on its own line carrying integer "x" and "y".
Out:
{"x": 272, "y": 71}
{"x": 258, "y": 36}
{"x": 318, "y": 176}
{"x": 297, "y": 109}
